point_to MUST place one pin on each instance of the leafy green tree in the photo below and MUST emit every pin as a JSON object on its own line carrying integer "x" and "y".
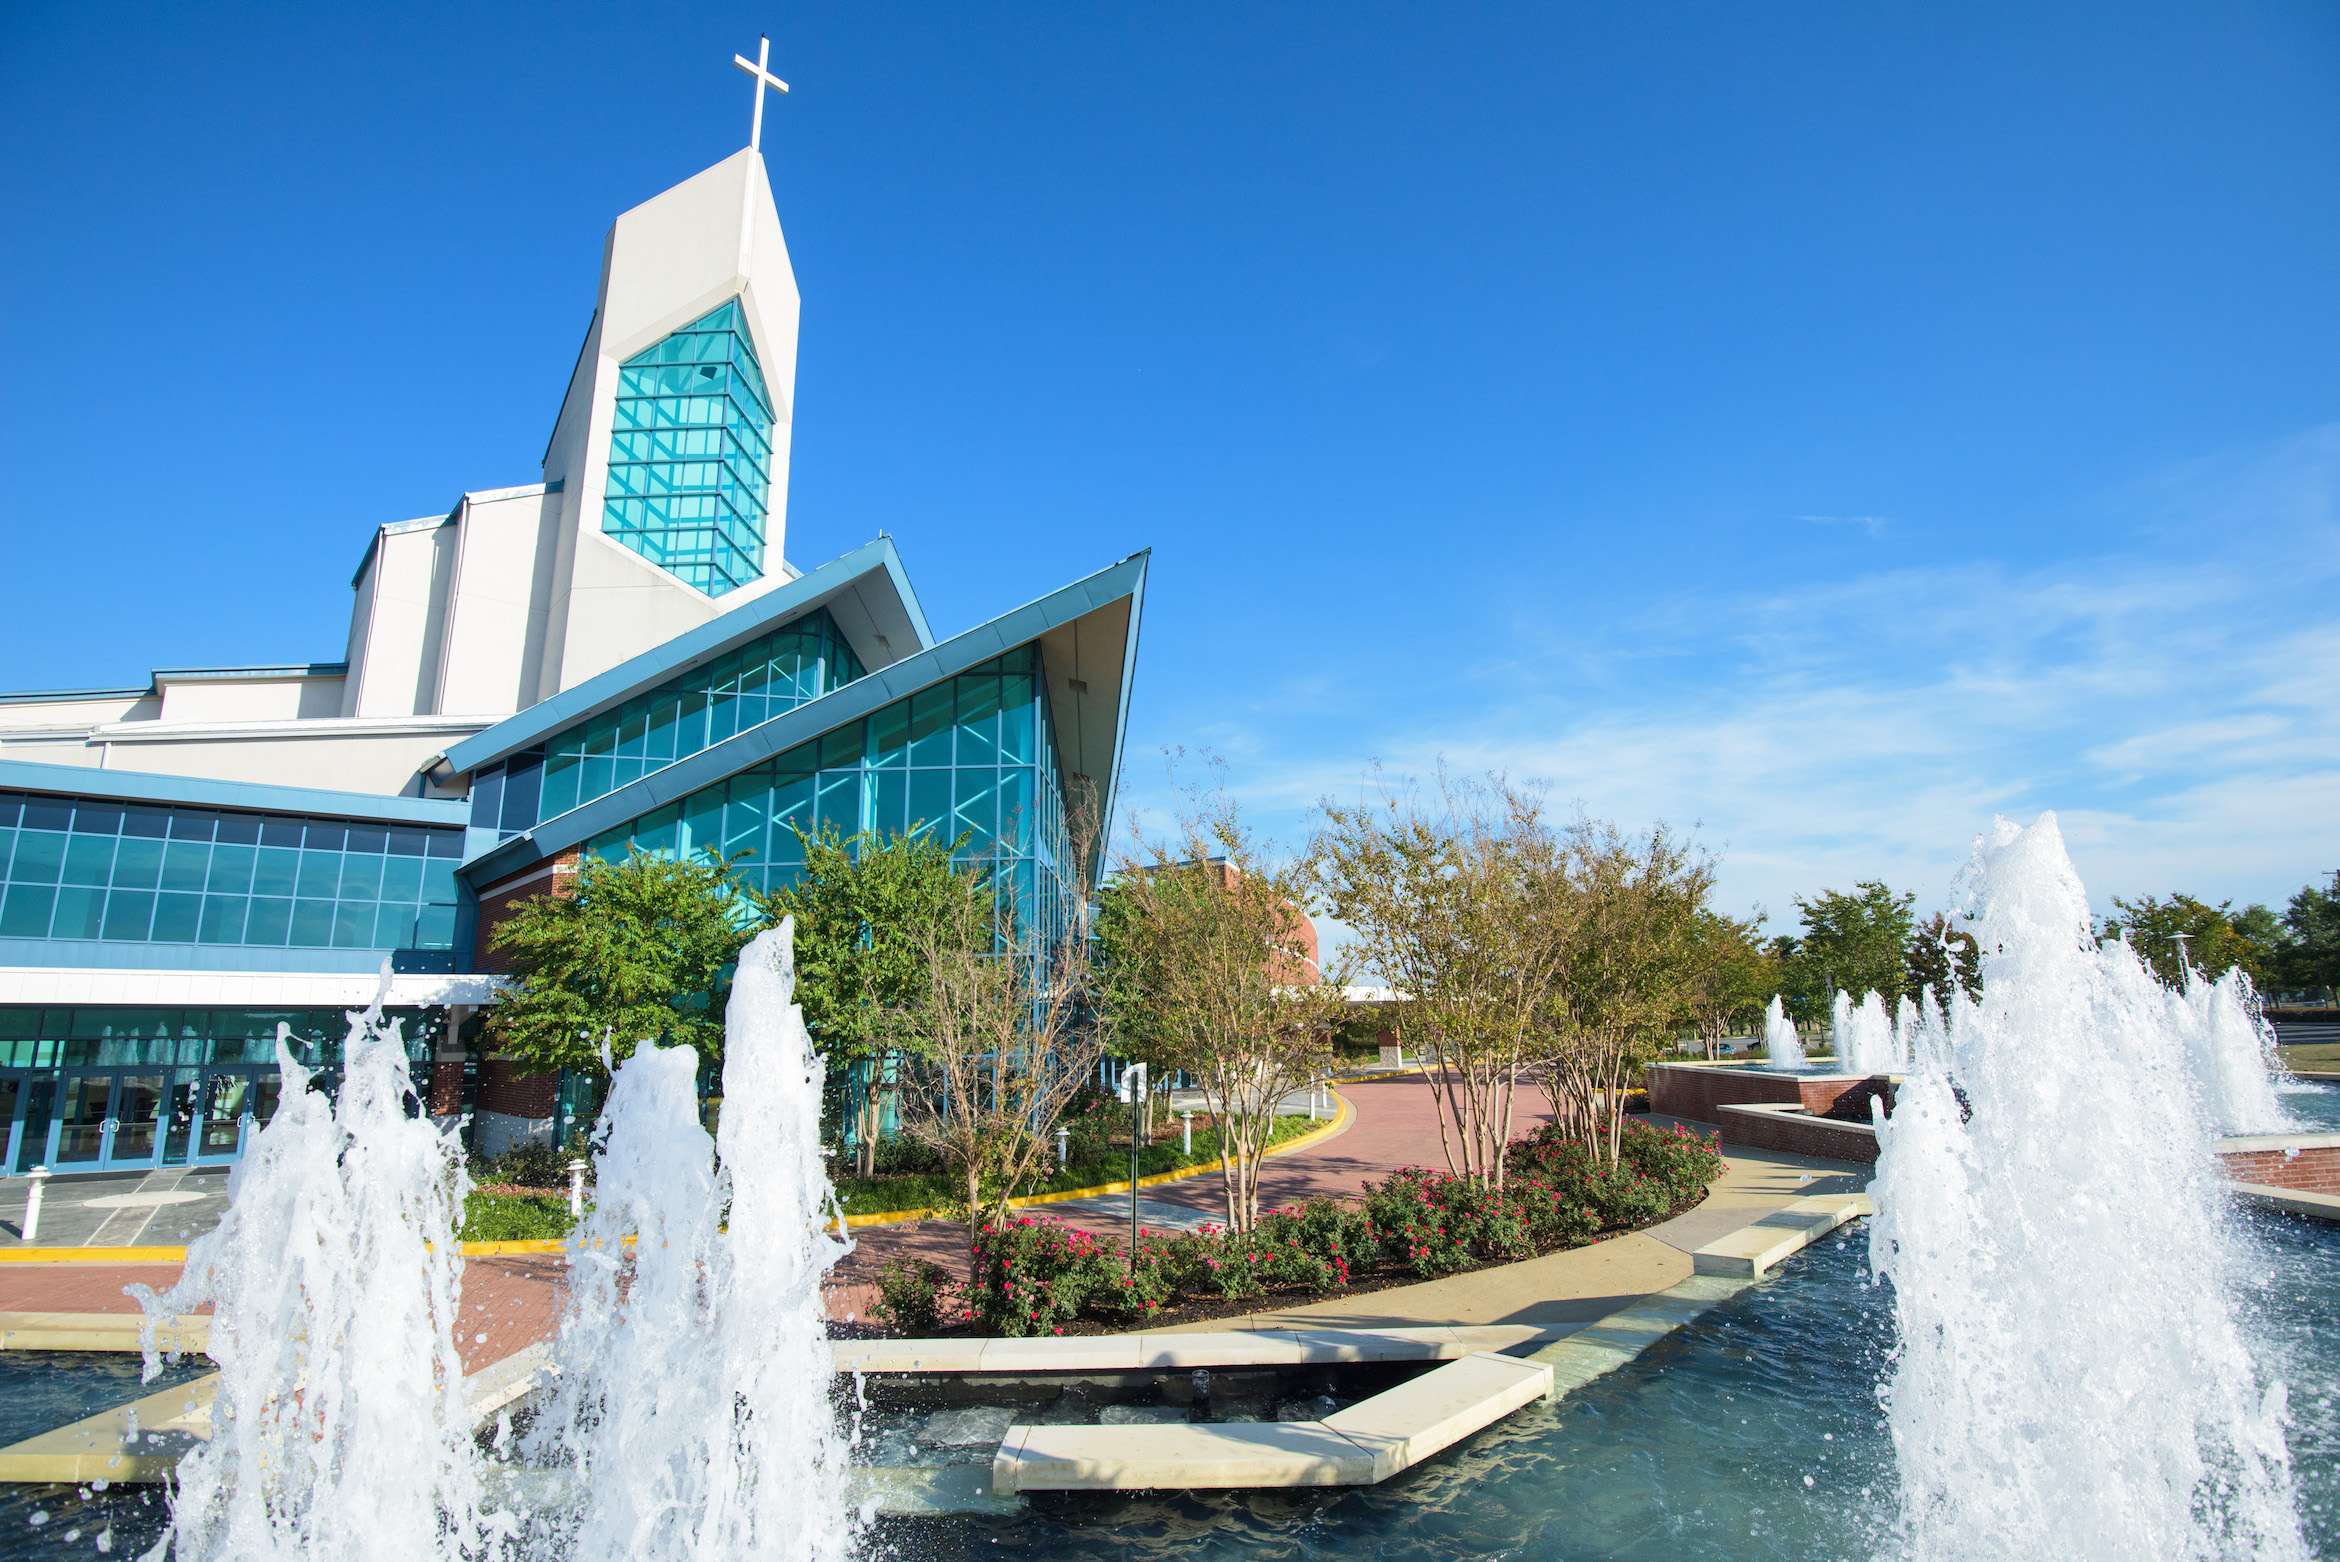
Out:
{"x": 1935, "y": 949}
{"x": 2309, "y": 958}
{"x": 2181, "y": 931}
{"x": 870, "y": 909}
{"x": 632, "y": 951}
{"x": 1733, "y": 974}
{"x": 1855, "y": 942}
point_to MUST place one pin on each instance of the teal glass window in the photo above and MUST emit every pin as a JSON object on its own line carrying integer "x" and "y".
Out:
{"x": 971, "y": 758}
{"x": 690, "y": 454}
{"x": 721, "y": 698}
{"x": 49, "y": 1037}
{"x": 86, "y": 868}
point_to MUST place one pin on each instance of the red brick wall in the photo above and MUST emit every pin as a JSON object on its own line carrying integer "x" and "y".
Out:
{"x": 1697, "y": 1092}
{"x": 2315, "y": 1170}
{"x": 496, "y": 903}
{"x": 1798, "y": 1136}
{"x": 505, "y": 1087}
{"x": 446, "y": 1093}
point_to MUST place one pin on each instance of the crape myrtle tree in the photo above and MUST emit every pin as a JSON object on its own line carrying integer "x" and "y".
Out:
{"x": 1004, "y": 1044}
{"x": 632, "y": 951}
{"x": 1631, "y": 969}
{"x": 1733, "y": 974}
{"x": 1854, "y": 943}
{"x": 871, "y": 910}
{"x": 1460, "y": 900}
{"x": 1203, "y": 967}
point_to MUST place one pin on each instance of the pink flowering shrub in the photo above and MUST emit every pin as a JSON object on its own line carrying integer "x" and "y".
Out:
{"x": 1033, "y": 1275}
{"x": 1658, "y": 1171}
{"x": 1036, "y": 1275}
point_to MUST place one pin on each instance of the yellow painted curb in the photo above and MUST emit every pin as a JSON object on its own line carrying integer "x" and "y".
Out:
{"x": 1343, "y": 1115}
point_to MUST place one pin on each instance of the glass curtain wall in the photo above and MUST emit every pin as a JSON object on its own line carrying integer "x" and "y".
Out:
{"x": 690, "y": 454}
{"x": 970, "y": 759}
{"x": 89, "y": 868}
{"x": 800, "y": 661}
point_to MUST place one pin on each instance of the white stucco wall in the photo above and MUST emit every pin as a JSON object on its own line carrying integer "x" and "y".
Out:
{"x": 292, "y": 697}
{"x": 394, "y": 666}
{"x": 498, "y": 614}
{"x": 668, "y": 261}
{"x": 344, "y": 756}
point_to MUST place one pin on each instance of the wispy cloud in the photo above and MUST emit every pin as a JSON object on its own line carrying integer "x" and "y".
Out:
{"x": 2180, "y": 710}
{"x": 1874, "y": 525}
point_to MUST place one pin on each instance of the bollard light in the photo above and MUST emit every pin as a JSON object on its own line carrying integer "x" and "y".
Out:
{"x": 1186, "y": 1120}
{"x": 32, "y": 1203}
{"x": 576, "y": 1190}
{"x": 1063, "y": 1136}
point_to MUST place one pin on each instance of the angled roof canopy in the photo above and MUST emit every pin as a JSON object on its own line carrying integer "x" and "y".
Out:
{"x": 865, "y": 591}
{"x": 1088, "y": 635}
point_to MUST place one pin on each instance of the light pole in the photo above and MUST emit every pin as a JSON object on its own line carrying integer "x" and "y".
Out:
{"x": 1063, "y": 1136}
{"x": 1186, "y": 1123}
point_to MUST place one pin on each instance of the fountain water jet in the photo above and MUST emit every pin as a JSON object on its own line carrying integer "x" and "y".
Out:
{"x": 2233, "y": 1051}
{"x": 2047, "y": 1155}
{"x": 694, "y": 1399}
{"x": 1862, "y": 1036}
{"x": 340, "y": 1428}
{"x": 1781, "y": 1044}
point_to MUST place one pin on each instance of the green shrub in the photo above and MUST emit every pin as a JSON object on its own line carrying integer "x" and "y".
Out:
{"x": 913, "y": 1294}
{"x": 1133, "y": 1293}
{"x": 1032, "y": 1276}
{"x": 1410, "y": 1215}
{"x": 532, "y": 1166}
{"x": 514, "y": 1217}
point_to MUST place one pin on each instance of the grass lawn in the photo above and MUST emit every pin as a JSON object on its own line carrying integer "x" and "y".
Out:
{"x": 923, "y": 1190}
{"x": 514, "y": 1217}
{"x": 2314, "y": 1055}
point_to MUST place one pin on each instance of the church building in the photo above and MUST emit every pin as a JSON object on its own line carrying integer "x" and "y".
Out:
{"x": 617, "y": 654}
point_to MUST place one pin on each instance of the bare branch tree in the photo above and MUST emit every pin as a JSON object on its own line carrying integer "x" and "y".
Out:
{"x": 1209, "y": 967}
{"x": 1460, "y": 902}
{"x": 1007, "y": 1044}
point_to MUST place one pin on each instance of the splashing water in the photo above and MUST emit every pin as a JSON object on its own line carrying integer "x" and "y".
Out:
{"x": 2072, "y": 1381}
{"x": 340, "y": 1428}
{"x": 2232, "y": 1047}
{"x": 694, "y": 1405}
{"x": 1861, "y": 1036}
{"x": 1781, "y": 1044}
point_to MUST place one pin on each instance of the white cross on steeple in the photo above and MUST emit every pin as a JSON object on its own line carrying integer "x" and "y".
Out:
{"x": 758, "y": 68}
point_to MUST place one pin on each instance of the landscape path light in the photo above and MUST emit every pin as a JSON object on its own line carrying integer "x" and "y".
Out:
{"x": 577, "y": 1190}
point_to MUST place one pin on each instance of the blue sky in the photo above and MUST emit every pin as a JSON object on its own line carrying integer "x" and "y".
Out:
{"x": 1824, "y": 425}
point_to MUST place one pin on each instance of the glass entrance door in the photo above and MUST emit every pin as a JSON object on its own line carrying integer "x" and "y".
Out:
{"x": 82, "y": 1122}
{"x": 30, "y": 1146}
{"x": 227, "y": 1109}
{"x": 11, "y": 1097}
{"x": 137, "y": 1114}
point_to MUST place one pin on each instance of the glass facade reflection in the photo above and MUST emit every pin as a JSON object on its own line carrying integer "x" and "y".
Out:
{"x": 98, "y": 1089}
{"x": 96, "y": 868}
{"x": 971, "y": 756}
{"x": 690, "y": 454}
{"x": 800, "y": 661}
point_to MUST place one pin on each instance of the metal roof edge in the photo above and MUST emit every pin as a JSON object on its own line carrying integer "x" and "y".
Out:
{"x": 148, "y": 786}
{"x": 810, "y": 721}
{"x": 649, "y": 668}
